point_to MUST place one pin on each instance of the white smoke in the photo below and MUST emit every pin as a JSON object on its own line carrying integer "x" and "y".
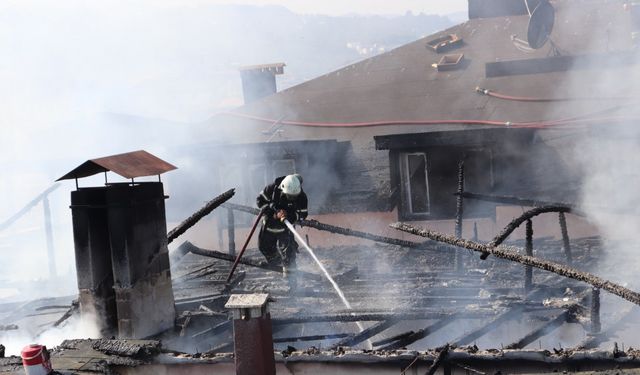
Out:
{"x": 75, "y": 327}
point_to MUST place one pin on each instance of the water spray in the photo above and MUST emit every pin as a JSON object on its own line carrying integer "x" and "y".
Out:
{"x": 324, "y": 270}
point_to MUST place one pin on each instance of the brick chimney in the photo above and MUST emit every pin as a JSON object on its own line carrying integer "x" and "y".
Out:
{"x": 252, "y": 334}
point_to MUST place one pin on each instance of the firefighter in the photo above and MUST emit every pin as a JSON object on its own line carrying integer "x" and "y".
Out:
{"x": 280, "y": 200}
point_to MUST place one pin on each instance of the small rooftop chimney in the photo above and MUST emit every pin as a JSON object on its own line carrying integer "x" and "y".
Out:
{"x": 259, "y": 81}
{"x": 252, "y": 334}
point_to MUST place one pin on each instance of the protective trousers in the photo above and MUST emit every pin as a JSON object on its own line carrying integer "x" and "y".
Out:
{"x": 278, "y": 245}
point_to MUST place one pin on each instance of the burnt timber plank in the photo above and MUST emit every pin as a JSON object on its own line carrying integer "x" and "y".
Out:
{"x": 420, "y": 334}
{"x": 366, "y": 334}
{"x": 545, "y": 329}
{"x": 502, "y": 318}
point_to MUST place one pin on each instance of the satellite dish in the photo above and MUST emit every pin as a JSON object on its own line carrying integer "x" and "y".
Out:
{"x": 540, "y": 25}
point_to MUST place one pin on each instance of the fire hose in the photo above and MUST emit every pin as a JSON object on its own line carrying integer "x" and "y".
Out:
{"x": 315, "y": 258}
{"x": 302, "y": 242}
{"x": 244, "y": 247}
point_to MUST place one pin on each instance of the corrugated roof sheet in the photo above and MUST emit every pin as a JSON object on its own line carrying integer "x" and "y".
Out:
{"x": 129, "y": 165}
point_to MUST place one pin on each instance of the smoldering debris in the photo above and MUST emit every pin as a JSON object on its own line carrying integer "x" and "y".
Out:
{"x": 511, "y": 253}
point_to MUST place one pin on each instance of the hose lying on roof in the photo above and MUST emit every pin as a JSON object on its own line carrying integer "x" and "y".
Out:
{"x": 574, "y": 121}
{"x": 497, "y": 95}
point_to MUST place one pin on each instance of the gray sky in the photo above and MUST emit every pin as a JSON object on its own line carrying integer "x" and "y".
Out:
{"x": 341, "y": 7}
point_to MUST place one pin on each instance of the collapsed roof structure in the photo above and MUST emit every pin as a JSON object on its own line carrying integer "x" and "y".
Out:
{"x": 491, "y": 110}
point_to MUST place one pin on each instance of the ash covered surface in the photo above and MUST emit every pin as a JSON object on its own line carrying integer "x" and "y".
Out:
{"x": 416, "y": 292}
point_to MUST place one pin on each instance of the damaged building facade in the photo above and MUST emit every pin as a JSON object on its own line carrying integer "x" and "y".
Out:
{"x": 383, "y": 137}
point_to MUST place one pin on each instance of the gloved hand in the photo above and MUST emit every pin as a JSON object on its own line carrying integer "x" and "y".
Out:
{"x": 269, "y": 210}
{"x": 281, "y": 215}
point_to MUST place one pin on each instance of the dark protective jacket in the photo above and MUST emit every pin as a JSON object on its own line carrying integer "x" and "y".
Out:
{"x": 271, "y": 200}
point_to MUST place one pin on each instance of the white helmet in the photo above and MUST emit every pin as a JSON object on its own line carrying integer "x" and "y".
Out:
{"x": 290, "y": 185}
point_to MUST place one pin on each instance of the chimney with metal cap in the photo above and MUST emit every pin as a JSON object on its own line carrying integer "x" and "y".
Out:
{"x": 120, "y": 236}
{"x": 259, "y": 81}
{"x": 252, "y": 334}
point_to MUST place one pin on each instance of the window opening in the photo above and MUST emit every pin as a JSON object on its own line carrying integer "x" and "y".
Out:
{"x": 283, "y": 167}
{"x": 415, "y": 181}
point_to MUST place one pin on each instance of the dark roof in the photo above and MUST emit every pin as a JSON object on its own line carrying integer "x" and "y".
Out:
{"x": 129, "y": 165}
{"x": 403, "y": 93}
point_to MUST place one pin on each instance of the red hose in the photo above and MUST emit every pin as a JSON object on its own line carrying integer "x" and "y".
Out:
{"x": 494, "y": 94}
{"x": 575, "y": 121}
{"x": 366, "y": 124}
{"x": 244, "y": 247}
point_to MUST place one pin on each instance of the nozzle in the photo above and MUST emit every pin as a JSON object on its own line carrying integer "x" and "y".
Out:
{"x": 482, "y": 91}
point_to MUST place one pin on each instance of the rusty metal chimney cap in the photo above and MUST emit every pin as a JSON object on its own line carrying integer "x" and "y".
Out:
{"x": 128, "y": 165}
{"x": 247, "y": 301}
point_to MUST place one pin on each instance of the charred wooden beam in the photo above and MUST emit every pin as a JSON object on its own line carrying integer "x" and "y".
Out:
{"x": 459, "y": 212}
{"x": 422, "y": 333}
{"x": 442, "y": 354}
{"x": 392, "y": 338}
{"x": 239, "y": 277}
{"x": 490, "y": 326}
{"x": 595, "y": 311}
{"x": 215, "y": 330}
{"x": 546, "y": 328}
{"x": 231, "y": 230}
{"x": 191, "y": 303}
{"x": 515, "y": 223}
{"x": 593, "y": 340}
{"x": 183, "y": 330}
{"x": 222, "y": 348}
{"x": 311, "y": 338}
{"x": 368, "y": 236}
{"x": 355, "y": 339}
{"x": 204, "y": 211}
{"x": 188, "y": 314}
{"x": 511, "y": 200}
{"x": 191, "y": 248}
{"x": 511, "y": 253}
{"x": 354, "y": 317}
{"x": 69, "y": 313}
{"x": 52, "y": 307}
{"x": 188, "y": 247}
{"x": 528, "y": 271}
{"x": 340, "y": 230}
{"x": 565, "y": 237}
{"x": 4, "y": 225}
